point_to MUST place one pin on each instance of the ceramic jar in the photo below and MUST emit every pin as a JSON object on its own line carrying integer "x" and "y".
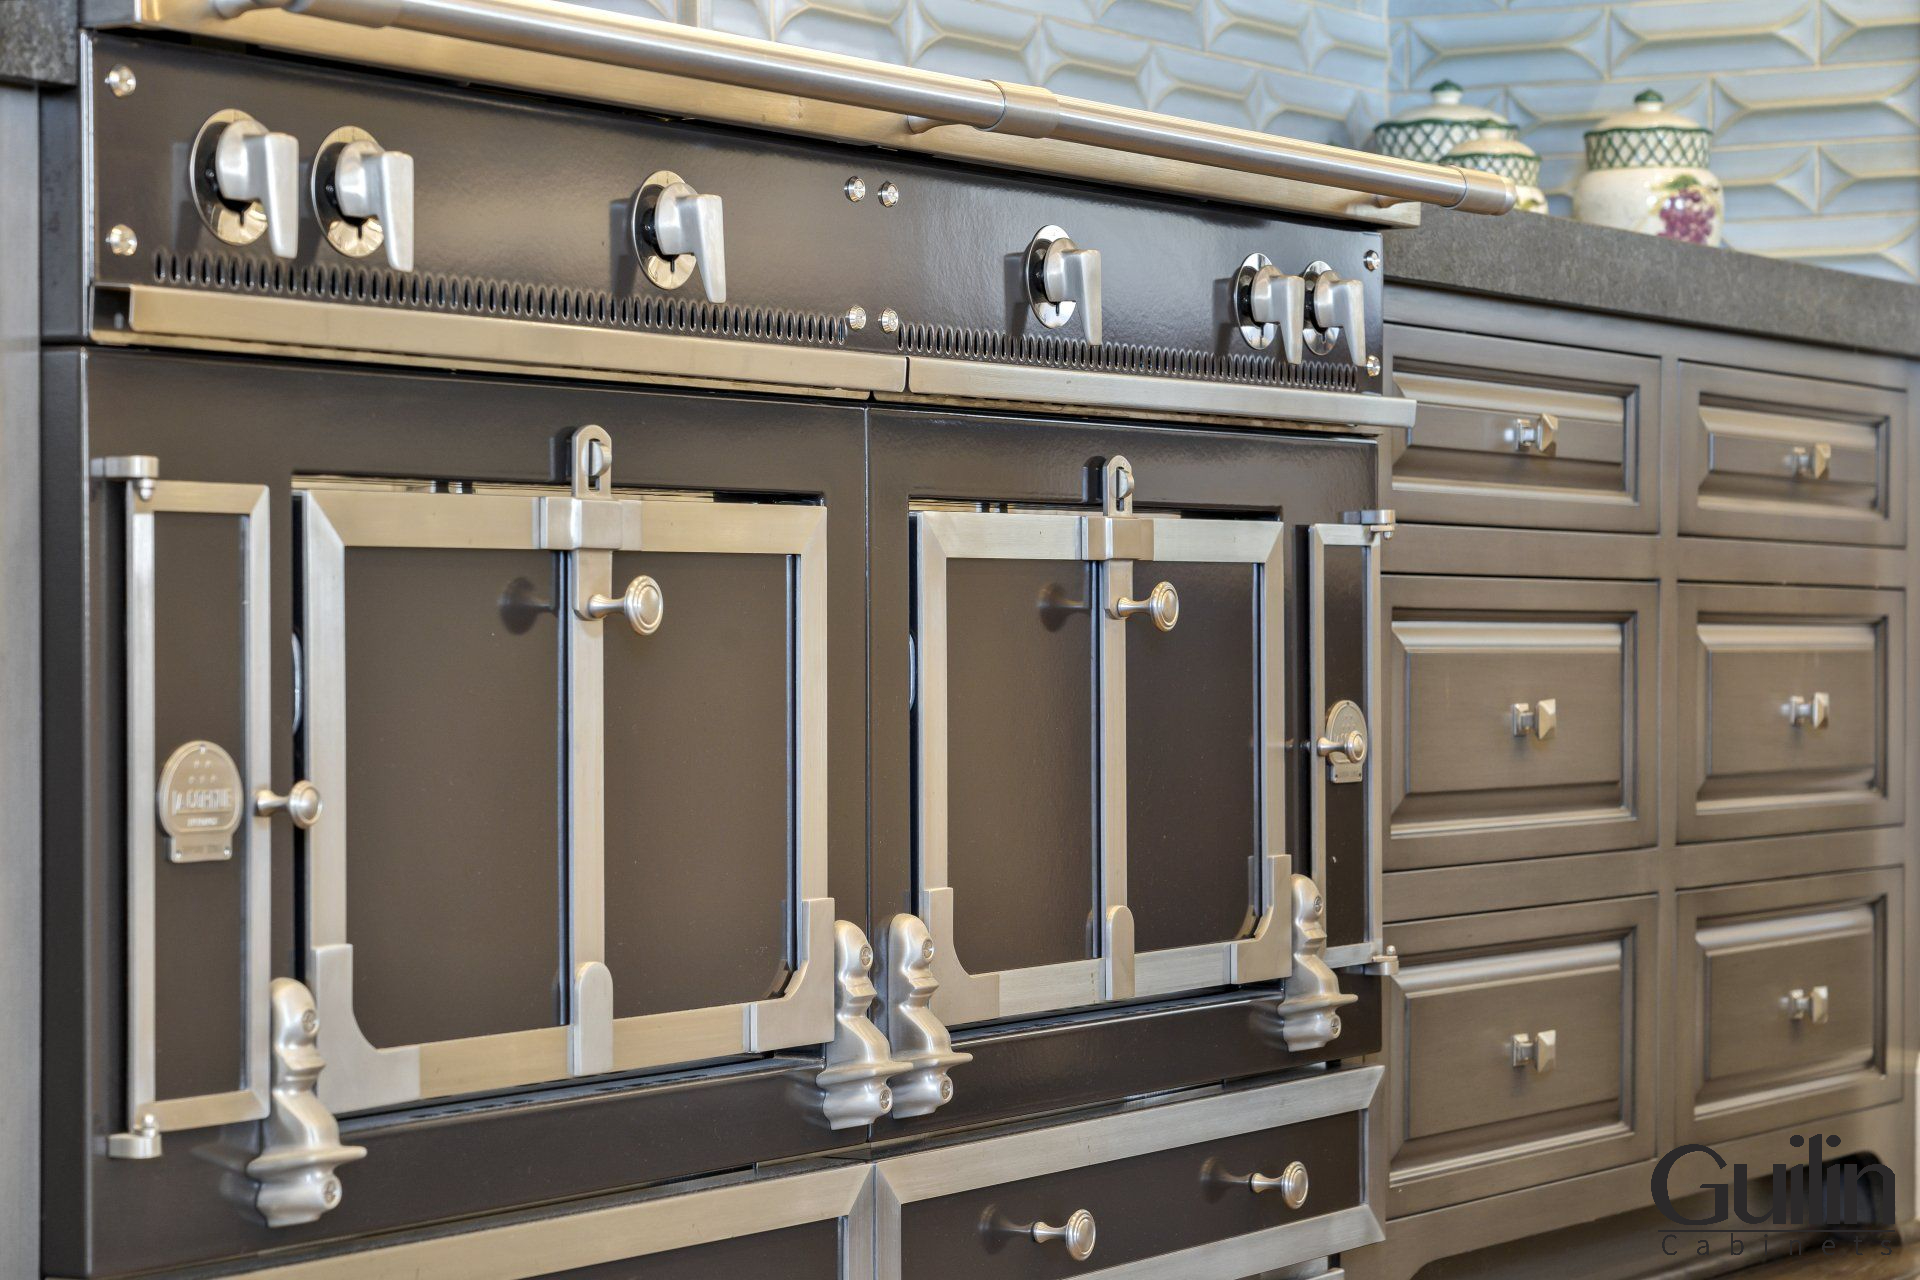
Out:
{"x": 1647, "y": 172}
{"x": 1496, "y": 150}
{"x": 1430, "y": 130}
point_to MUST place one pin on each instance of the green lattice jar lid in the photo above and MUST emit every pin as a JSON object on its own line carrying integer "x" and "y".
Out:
{"x": 1428, "y": 130}
{"x": 1649, "y": 136}
{"x": 1494, "y": 151}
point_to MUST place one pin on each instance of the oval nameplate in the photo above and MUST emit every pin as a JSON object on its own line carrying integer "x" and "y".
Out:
{"x": 199, "y": 801}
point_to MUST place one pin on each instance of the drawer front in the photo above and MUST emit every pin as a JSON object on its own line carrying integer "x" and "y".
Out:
{"x": 1523, "y": 433}
{"x": 1166, "y": 1190}
{"x": 1772, "y": 457}
{"x": 1795, "y": 725}
{"x": 1793, "y": 990}
{"x": 1522, "y": 718}
{"x": 1522, "y": 1049}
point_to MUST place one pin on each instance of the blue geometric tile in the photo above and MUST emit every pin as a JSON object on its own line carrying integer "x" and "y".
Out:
{"x": 1314, "y": 110}
{"x": 1871, "y": 31}
{"x": 966, "y": 38}
{"x": 1870, "y": 177}
{"x": 858, "y": 28}
{"x": 1553, "y": 118}
{"x": 1084, "y": 63}
{"x": 1510, "y": 48}
{"x": 1768, "y": 182}
{"x": 1881, "y": 245}
{"x": 1268, "y": 32}
{"x": 1813, "y": 105}
{"x": 1347, "y": 46}
{"x": 1163, "y": 21}
{"x": 1714, "y": 36}
{"x": 1197, "y": 87}
{"x": 1426, "y": 8}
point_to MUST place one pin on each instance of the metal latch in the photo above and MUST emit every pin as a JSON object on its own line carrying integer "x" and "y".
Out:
{"x": 1344, "y": 743}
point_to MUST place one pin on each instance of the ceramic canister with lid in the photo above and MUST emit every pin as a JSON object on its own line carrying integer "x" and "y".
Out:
{"x": 1647, "y": 172}
{"x": 1430, "y": 129}
{"x": 1495, "y": 150}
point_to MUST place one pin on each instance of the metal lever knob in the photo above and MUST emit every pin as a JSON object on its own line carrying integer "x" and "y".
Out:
{"x": 1062, "y": 278}
{"x": 1162, "y": 605}
{"x": 1077, "y": 1234}
{"x": 1291, "y": 1184}
{"x": 1351, "y": 745}
{"x": 1538, "y": 434}
{"x": 371, "y": 183}
{"x": 1536, "y": 718}
{"x": 1811, "y": 1006}
{"x": 643, "y": 603}
{"x": 301, "y": 803}
{"x": 1811, "y": 712}
{"x": 1342, "y": 305}
{"x": 251, "y": 164}
{"x": 1277, "y": 303}
{"x": 1537, "y": 1051}
{"x": 1810, "y": 461}
{"x": 686, "y": 222}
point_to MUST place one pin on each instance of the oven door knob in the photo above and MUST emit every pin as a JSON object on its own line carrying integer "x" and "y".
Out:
{"x": 1341, "y": 305}
{"x": 685, "y": 224}
{"x": 1063, "y": 278}
{"x": 254, "y": 165}
{"x": 372, "y": 183}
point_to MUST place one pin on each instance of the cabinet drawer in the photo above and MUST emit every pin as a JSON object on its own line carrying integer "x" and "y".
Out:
{"x": 1523, "y": 433}
{"x": 1792, "y": 989}
{"x": 813, "y": 1225}
{"x": 1165, "y": 1188}
{"x": 1523, "y": 1050}
{"x": 1521, "y": 718}
{"x": 1794, "y": 726}
{"x": 1766, "y": 456}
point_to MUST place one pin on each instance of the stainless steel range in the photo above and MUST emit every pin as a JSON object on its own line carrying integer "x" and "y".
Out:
{"x": 686, "y": 656}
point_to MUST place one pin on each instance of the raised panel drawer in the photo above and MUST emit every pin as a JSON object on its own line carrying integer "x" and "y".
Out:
{"x": 1795, "y": 725}
{"x": 1163, "y": 1192}
{"x": 1523, "y": 433}
{"x": 1522, "y": 1048}
{"x": 1773, "y": 457}
{"x": 1521, "y": 718}
{"x": 1792, "y": 991}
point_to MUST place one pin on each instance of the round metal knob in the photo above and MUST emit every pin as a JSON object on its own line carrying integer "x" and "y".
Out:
{"x": 1352, "y": 745}
{"x": 643, "y": 603}
{"x": 1291, "y": 1184}
{"x": 301, "y": 803}
{"x": 1077, "y": 1234}
{"x": 1162, "y": 605}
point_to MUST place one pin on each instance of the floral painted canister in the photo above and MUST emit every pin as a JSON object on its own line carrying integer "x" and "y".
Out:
{"x": 1647, "y": 172}
{"x": 1431, "y": 129}
{"x": 1496, "y": 150}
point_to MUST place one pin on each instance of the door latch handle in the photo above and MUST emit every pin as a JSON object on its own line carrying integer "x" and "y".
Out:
{"x": 301, "y": 803}
{"x": 1536, "y": 718}
{"x": 1809, "y": 1004}
{"x": 1811, "y": 712}
{"x": 643, "y": 604}
{"x": 1537, "y": 1050}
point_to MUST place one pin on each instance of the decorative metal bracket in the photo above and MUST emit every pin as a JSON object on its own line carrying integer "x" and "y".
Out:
{"x": 294, "y": 1174}
{"x": 1305, "y": 1017}
{"x": 919, "y": 1038}
{"x": 853, "y": 1083}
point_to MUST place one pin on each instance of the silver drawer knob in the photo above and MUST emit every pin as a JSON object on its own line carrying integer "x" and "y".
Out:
{"x": 1536, "y": 718}
{"x": 643, "y": 603}
{"x": 1537, "y": 1050}
{"x": 1291, "y": 1184}
{"x": 1811, "y": 712}
{"x": 301, "y": 803}
{"x": 1077, "y": 1234}
{"x": 1162, "y": 605}
{"x": 1810, "y": 461}
{"x": 1539, "y": 434}
{"x": 1811, "y": 1005}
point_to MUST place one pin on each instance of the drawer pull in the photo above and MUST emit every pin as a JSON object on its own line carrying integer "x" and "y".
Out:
{"x": 1291, "y": 1184}
{"x": 1810, "y": 461}
{"x": 1077, "y": 1234}
{"x": 1536, "y": 1051}
{"x": 1811, "y": 712}
{"x": 1162, "y": 605}
{"x": 1808, "y": 1005}
{"x": 1539, "y": 434}
{"x": 301, "y": 804}
{"x": 1536, "y": 718}
{"x": 643, "y": 603}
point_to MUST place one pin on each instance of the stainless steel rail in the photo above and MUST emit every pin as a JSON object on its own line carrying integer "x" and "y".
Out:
{"x": 642, "y": 44}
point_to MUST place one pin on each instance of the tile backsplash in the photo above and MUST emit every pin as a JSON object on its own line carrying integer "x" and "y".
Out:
{"x": 1815, "y": 103}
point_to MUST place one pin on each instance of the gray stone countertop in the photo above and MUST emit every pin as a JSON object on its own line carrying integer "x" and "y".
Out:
{"x": 1569, "y": 264}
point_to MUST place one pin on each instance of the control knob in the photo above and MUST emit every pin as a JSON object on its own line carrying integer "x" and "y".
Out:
{"x": 363, "y": 196}
{"x": 1271, "y": 304}
{"x": 1063, "y": 278}
{"x": 247, "y": 180}
{"x": 1338, "y": 309}
{"x": 675, "y": 229}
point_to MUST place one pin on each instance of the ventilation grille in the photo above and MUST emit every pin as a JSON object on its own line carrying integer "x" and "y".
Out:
{"x": 501, "y": 299}
{"x": 1118, "y": 357}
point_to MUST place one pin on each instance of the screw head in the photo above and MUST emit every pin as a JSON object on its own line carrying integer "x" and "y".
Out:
{"x": 926, "y": 950}
{"x": 1333, "y": 1024}
{"x": 122, "y": 80}
{"x": 856, "y": 188}
{"x": 1372, "y": 260}
{"x": 946, "y": 1088}
{"x": 309, "y": 1021}
{"x": 1373, "y": 366}
{"x": 856, "y": 318}
{"x": 866, "y": 957}
{"x": 330, "y": 1192}
{"x": 889, "y": 194}
{"x": 122, "y": 241}
{"x": 889, "y": 321}
{"x": 886, "y": 1098}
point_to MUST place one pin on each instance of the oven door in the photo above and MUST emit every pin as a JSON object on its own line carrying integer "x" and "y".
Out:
{"x": 574, "y": 827}
{"x": 1099, "y": 762}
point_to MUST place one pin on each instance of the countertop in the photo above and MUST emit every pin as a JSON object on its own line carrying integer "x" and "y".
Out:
{"x": 1565, "y": 263}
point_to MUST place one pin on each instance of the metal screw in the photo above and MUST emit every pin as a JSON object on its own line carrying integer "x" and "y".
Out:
{"x": 1373, "y": 366}
{"x": 856, "y": 317}
{"x": 889, "y": 194}
{"x": 889, "y": 321}
{"x": 309, "y": 1021}
{"x": 1372, "y": 260}
{"x": 330, "y": 1192}
{"x": 866, "y": 957}
{"x": 122, "y": 241}
{"x": 926, "y": 950}
{"x": 946, "y": 1087}
{"x": 886, "y": 1098}
{"x": 122, "y": 81}
{"x": 856, "y": 189}
{"x": 1333, "y": 1024}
